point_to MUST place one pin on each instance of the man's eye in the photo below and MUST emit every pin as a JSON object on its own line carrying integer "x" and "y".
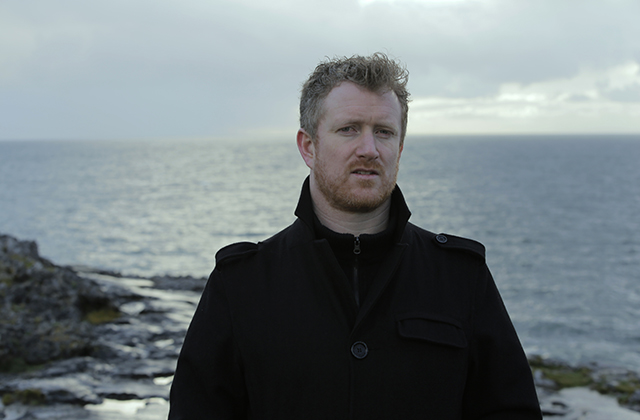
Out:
{"x": 346, "y": 129}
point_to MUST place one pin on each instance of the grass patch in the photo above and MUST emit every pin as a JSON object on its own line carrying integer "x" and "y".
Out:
{"x": 619, "y": 384}
{"x": 622, "y": 390}
{"x": 569, "y": 378}
{"x": 13, "y": 365}
{"x": 102, "y": 316}
{"x": 563, "y": 375}
{"x": 29, "y": 396}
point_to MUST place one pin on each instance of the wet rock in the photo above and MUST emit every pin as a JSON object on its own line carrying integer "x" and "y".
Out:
{"x": 73, "y": 389}
{"x": 552, "y": 405}
{"x": 62, "y": 365}
{"x": 45, "y": 309}
{"x": 543, "y": 382}
{"x": 179, "y": 283}
{"x": 126, "y": 390}
{"x": 15, "y": 412}
{"x": 552, "y": 377}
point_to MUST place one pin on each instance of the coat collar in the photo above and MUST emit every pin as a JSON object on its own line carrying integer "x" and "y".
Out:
{"x": 304, "y": 210}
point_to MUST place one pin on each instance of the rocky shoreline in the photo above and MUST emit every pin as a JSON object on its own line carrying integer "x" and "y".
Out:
{"x": 79, "y": 343}
{"x": 85, "y": 344}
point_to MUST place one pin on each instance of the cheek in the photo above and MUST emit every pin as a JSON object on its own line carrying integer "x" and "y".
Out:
{"x": 390, "y": 148}
{"x": 391, "y": 156}
{"x": 329, "y": 156}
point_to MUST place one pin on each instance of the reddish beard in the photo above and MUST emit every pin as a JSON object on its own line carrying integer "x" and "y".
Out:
{"x": 355, "y": 195}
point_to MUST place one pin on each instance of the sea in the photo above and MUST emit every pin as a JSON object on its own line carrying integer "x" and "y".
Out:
{"x": 559, "y": 216}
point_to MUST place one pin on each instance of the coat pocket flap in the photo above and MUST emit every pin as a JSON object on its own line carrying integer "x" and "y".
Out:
{"x": 432, "y": 328}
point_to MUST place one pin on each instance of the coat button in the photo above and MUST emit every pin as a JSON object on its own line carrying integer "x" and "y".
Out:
{"x": 442, "y": 239}
{"x": 359, "y": 350}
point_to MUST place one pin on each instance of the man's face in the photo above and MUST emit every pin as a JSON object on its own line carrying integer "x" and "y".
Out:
{"x": 354, "y": 158}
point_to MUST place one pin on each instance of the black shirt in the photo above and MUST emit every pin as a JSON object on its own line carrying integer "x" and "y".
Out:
{"x": 360, "y": 257}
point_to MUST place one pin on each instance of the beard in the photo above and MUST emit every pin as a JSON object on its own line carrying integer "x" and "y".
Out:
{"x": 355, "y": 195}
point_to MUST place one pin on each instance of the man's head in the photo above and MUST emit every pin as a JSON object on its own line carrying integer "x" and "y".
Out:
{"x": 358, "y": 124}
{"x": 376, "y": 73}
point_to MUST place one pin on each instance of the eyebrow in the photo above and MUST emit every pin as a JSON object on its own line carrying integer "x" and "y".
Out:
{"x": 360, "y": 121}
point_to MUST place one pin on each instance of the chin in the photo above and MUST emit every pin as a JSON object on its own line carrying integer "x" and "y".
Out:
{"x": 361, "y": 203}
{"x": 353, "y": 196}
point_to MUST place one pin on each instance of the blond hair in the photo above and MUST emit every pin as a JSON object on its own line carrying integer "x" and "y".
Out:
{"x": 377, "y": 73}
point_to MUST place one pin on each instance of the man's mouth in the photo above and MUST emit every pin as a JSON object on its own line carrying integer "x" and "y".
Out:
{"x": 363, "y": 172}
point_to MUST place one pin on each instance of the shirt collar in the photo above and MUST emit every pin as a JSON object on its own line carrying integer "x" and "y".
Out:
{"x": 304, "y": 210}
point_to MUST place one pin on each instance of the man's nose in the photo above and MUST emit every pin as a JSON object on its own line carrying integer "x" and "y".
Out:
{"x": 367, "y": 145}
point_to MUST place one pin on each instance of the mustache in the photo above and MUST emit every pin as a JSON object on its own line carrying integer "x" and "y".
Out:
{"x": 373, "y": 168}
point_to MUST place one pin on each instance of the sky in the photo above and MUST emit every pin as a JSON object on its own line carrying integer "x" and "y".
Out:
{"x": 147, "y": 69}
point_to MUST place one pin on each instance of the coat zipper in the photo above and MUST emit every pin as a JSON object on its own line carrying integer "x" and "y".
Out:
{"x": 356, "y": 286}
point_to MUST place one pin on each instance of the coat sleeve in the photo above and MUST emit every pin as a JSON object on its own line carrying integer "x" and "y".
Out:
{"x": 499, "y": 384}
{"x": 209, "y": 381}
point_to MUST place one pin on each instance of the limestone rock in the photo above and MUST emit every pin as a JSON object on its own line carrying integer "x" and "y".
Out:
{"x": 44, "y": 308}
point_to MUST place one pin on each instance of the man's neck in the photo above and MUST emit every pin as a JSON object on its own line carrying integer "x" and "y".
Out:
{"x": 345, "y": 222}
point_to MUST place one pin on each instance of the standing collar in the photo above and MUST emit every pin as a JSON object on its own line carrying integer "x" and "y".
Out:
{"x": 304, "y": 210}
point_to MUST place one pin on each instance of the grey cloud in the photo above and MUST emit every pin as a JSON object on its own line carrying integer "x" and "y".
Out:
{"x": 521, "y": 41}
{"x": 629, "y": 94}
{"x": 156, "y": 67}
{"x": 579, "y": 98}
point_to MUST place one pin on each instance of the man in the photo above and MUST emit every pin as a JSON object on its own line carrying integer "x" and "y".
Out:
{"x": 352, "y": 312}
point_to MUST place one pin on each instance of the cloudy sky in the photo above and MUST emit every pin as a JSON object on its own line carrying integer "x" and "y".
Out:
{"x": 124, "y": 69}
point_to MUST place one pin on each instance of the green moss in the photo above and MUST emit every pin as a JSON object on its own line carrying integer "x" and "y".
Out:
{"x": 25, "y": 261}
{"x": 17, "y": 365}
{"x": 567, "y": 377}
{"x": 102, "y": 316}
{"x": 6, "y": 279}
{"x": 620, "y": 386}
{"x": 622, "y": 390}
{"x": 8, "y": 398}
{"x": 13, "y": 365}
{"x": 563, "y": 375}
{"x": 7, "y": 273}
{"x": 628, "y": 387}
{"x": 29, "y": 396}
{"x": 18, "y": 307}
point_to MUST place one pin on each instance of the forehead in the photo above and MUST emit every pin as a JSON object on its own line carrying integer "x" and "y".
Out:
{"x": 348, "y": 101}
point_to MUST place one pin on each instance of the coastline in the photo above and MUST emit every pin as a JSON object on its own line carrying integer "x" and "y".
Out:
{"x": 116, "y": 357}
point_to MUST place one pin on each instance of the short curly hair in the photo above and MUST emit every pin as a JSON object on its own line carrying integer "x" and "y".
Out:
{"x": 377, "y": 73}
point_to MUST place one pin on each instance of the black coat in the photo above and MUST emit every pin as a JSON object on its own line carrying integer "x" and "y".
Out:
{"x": 277, "y": 335}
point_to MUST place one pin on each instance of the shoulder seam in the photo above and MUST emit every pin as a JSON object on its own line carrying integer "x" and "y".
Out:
{"x": 235, "y": 251}
{"x": 447, "y": 241}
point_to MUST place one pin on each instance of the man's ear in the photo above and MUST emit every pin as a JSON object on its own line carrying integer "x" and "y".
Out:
{"x": 306, "y": 146}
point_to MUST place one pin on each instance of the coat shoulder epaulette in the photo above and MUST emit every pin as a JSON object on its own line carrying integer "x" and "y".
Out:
{"x": 235, "y": 252}
{"x": 447, "y": 241}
